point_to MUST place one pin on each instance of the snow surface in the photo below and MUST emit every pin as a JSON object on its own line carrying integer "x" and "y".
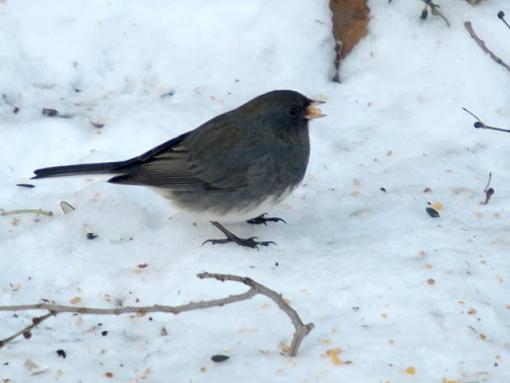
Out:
{"x": 393, "y": 288}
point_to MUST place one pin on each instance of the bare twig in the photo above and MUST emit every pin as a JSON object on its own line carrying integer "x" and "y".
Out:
{"x": 435, "y": 10}
{"x": 488, "y": 182}
{"x": 471, "y": 113}
{"x": 489, "y": 191}
{"x": 481, "y": 125}
{"x": 26, "y": 331}
{"x": 482, "y": 45}
{"x": 301, "y": 329}
{"x": 27, "y": 211}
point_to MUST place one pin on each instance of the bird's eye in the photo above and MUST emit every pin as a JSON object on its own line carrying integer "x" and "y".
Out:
{"x": 294, "y": 111}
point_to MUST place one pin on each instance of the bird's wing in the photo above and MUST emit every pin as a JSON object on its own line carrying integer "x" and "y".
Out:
{"x": 210, "y": 158}
{"x": 168, "y": 146}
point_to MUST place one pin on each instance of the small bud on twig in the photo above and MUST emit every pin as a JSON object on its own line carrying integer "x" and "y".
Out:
{"x": 501, "y": 16}
{"x": 481, "y": 125}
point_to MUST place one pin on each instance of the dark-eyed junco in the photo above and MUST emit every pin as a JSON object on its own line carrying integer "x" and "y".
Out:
{"x": 231, "y": 168}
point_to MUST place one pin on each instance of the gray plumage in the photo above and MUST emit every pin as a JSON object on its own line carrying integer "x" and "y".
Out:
{"x": 234, "y": 162}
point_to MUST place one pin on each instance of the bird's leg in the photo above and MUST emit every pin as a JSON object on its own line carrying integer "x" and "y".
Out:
{"x": 263, "y": 219}
{"x": 247, "y": 242}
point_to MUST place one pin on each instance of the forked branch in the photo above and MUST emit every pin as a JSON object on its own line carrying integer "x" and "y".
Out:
{"x": 300, "y": 329}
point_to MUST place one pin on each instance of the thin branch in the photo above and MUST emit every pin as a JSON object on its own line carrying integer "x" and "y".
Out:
{"x": 482, "y": 45}
{"x": 481, "y": 125}
{"x": 139, "y": 310}
{"x": 301, "y": 329}
{"x": 26, "y": 331}
{"x": 471, "y": 113}
{"x": 435, "y": 10}
{"x": 489, "y": 191}
{"x": 488, "y": 182}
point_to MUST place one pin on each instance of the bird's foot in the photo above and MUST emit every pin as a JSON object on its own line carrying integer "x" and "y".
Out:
{"x": 262, "y": 219}
{"x": 250, "y": 242}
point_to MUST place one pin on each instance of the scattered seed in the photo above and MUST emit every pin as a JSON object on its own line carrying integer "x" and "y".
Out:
{"x": 333, "y": 354}
{"x": 75, "y": 300}
{"x": 91, "y": 236}
{"x": 383, "y": 189}
{"x": 219, "y": 358}
{"x": 97, "y": 125}
{"x": 167, "y": 94}
{"x": 432, "y": 212}
{"x": 438, "y": 206}
{"x": 66, "y": 207}
{"x": 25, "y": 185}
{"x": 49, "y": 112}
{"x": 104, "y": 333}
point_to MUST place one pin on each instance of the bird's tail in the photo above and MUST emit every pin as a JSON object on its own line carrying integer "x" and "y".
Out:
{"x": 79, "y": 169}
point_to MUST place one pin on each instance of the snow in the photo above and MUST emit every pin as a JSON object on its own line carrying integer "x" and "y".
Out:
{"x": 390, "y": 286}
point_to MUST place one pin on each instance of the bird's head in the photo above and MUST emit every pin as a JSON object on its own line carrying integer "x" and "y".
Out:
{"x": 283, "y": 109}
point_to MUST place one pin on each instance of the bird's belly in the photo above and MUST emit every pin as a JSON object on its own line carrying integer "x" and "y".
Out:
{"x": 228, "y": 207}
{"x": 266, "y": 182}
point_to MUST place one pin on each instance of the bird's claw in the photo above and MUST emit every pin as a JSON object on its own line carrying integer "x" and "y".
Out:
{"x": 245, "y": 242}
{"x": 250, "y": 242}
{"x": 262, "y": 219}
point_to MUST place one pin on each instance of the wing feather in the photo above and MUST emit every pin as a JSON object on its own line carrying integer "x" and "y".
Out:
{"x": 212, "y": 157}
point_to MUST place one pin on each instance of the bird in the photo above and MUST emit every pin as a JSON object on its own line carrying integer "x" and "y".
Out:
{"x": 230, "y": 169}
